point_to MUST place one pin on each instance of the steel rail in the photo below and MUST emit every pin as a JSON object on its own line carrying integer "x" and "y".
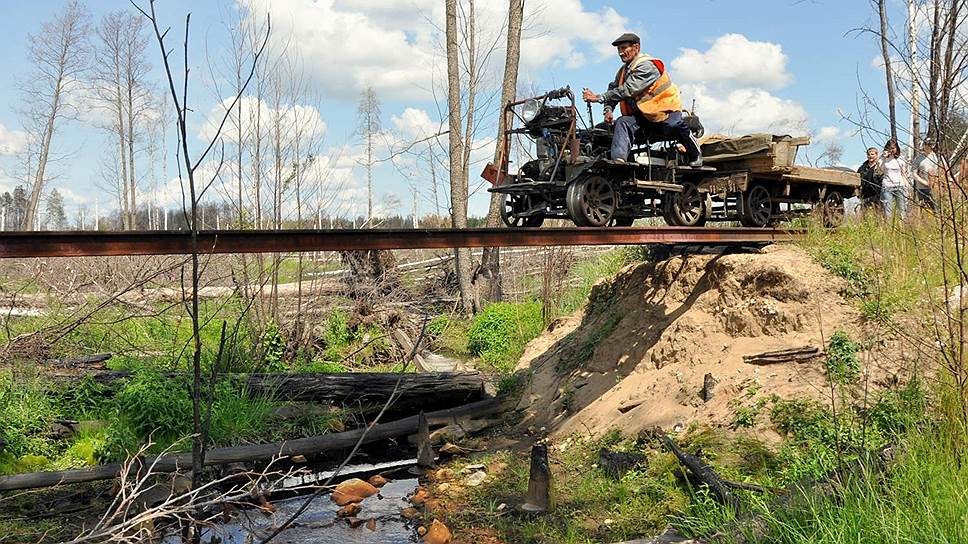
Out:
{"x": 81, "y": 244}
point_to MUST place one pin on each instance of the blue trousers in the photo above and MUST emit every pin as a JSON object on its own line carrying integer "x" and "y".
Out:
{"x": 673, "y": 128}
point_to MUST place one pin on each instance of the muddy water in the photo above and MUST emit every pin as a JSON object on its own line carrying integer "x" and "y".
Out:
{"x": 319, "y": 524}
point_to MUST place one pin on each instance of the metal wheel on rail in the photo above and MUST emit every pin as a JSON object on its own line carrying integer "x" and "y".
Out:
{"x": 516, "y": 204}
{"x": 686, "y": 208}
{"x": 591, "y": 201}
{"x": 832, "y": 208}
{"x": 757, "y": 207}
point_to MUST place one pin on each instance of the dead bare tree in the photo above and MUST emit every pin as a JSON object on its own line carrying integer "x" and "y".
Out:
{"x": 188, "y": 168}
{"x": 458, "y": 177}
{"x": 489, "y": 273}
{"x": 59, "y": 57}
{"x": 119, "y": 83}
{"x": 886, "y": 53}
{"x": 370, "y": 126}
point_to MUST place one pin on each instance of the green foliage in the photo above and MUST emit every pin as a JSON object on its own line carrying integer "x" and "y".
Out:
{"x": 273, "y": 348}
{"x": 237, "y": 417}
{"x": 449, "y": 335}
{"x": 121, "y": 440}
{"x": 156, "y": 406}
{"x": 87, "y": 399}
{"x": 498, "y": 334}
{"x": 341, "y": 339}
{"x": 842, "y": 364}
{"x": 26, "y": 412}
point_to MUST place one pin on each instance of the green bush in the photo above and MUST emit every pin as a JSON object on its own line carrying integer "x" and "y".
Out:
{"x": 498, "y": 333}
{"x": 273, "y": 349}
{"x": 26, "y": 412}
{"x": 156, "y": 406}
{"x": 842, "y": 364}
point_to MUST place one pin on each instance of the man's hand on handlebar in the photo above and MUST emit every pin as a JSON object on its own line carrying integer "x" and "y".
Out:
{"x": 609, "y": 118}
{"x": 588, "y": 96}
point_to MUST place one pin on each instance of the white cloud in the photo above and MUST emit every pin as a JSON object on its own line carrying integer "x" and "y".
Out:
{"x": 396, "y": 46}
{"x": 827, "y": 134}
{"x": 733, "y": 61}
{"x": 415, "y": 124}
{"x": 11, "y": 141}
{"x": 745, "y": 111}
{"x": 292, "y": 118}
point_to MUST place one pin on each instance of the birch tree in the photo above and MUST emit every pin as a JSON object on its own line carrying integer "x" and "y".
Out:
{"x": 59, "y": 55}
{"x": 458, "y": 177}
{"x": 120, "y": 73}
{"x": 370, "y": 125}
{"x": 489, "y": 278}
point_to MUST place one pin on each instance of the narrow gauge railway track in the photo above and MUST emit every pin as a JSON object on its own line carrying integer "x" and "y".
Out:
{"x": 84, "y": 244}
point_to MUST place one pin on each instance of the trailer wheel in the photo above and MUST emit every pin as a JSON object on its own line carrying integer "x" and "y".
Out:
{"x": 591, "y": 201}
{"x": 517, "y": 204}
{"x": 833, "y": 209}
{"x": 757, "y": 207}
{"x": 686, "y": 208}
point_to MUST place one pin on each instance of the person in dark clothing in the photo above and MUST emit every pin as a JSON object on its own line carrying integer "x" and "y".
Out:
{"x": 871, "y": 178}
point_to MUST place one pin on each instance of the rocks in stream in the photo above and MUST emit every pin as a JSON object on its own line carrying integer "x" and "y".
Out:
{"x": 352, "y": 490}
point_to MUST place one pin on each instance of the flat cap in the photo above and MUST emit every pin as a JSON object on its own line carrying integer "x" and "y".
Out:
{"x": 628, "y": 37}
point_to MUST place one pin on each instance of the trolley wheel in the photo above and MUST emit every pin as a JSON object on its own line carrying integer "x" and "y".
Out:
{"x": 757, "y": 207}
{"x": 833, "y": 209}
{"x": 516, "y": 204}
{"x": 591, "y": 201}
{"x": 686, "y": 208}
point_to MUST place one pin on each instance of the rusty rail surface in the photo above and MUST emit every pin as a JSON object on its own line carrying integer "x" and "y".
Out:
{"x": 80, "y": 244}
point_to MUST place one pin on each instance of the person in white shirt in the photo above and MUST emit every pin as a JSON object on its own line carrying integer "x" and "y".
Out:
{"x": 926, "y": 177}
{"x": 896, "y": 187}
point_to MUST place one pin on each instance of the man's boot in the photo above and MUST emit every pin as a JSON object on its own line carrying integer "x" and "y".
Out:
{"x": 694, "y": 151}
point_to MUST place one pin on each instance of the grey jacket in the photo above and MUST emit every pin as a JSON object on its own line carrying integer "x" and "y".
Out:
{"x": 636, "y": 82}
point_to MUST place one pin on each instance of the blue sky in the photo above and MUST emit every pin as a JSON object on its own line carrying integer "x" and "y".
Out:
{"x": 781, "y": 65}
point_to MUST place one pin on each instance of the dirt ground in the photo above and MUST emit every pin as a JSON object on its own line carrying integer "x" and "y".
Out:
{"x": 635, "y": 357}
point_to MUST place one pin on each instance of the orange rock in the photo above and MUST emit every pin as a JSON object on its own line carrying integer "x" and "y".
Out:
{"x": 419, "y": 497}
{"x": 352, "y": 490}
{"x": 349, "y": 510}
{"x": 371, "y": 524}
{"x": 377, "y": 481}
{"x": 356, "y": 522}
{"x": 438, "y": 534}
{"x": 409, "y": 513}
{"x": 421, "y": 530}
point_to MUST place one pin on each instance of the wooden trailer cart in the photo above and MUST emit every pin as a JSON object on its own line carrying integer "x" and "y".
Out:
{"x": 758, "y": 183}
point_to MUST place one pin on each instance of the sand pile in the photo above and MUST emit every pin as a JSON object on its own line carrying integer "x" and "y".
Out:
{"x": 637, "y": 354}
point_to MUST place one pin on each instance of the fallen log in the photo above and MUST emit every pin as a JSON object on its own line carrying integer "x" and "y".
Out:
{"x": 258, "y": 452}
{"x": 417, "y": 390}
{"x": 797, "y": 355}
{"x": 705, "y": 474}
{"x": 80, "y": 361}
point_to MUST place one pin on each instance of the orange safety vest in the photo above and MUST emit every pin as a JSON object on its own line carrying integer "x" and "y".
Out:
{"x": 659, "y": 99}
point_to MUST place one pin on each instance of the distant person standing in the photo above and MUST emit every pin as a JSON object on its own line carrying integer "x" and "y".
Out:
{"x": 871, "y": 178}
{"x": 926, "y": 177}
{"x": 896, "y": 186}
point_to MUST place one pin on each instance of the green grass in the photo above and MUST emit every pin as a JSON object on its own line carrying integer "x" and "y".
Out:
{"x": 889, "y": 267}
{"x": 923, "y": 498}
{"x": 588, "y": 506}
{"x": 499, "y": 333}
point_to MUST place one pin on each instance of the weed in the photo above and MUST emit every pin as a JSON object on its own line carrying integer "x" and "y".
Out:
{"x": 498, "y": 333}
{"x": 273, "y": 349}
{"x": 842, "y": 364}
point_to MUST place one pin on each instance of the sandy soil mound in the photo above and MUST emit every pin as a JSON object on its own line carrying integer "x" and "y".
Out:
{"x": 637, "y": 354}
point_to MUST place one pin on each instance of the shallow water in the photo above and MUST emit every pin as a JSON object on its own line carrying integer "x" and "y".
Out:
{"x": 319, "y": 524}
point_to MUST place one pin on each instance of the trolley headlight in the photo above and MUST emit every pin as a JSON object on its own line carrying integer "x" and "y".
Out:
{"x": 530, "y": 109}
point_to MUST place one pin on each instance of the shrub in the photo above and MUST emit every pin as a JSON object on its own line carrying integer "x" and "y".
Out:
{"x": 26, "y": 412}
{"x": 156, "y": 406}
{"x": 842, "y": 364}
{"x": 273, "y": 348}
{"x": 498, "y": 333}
